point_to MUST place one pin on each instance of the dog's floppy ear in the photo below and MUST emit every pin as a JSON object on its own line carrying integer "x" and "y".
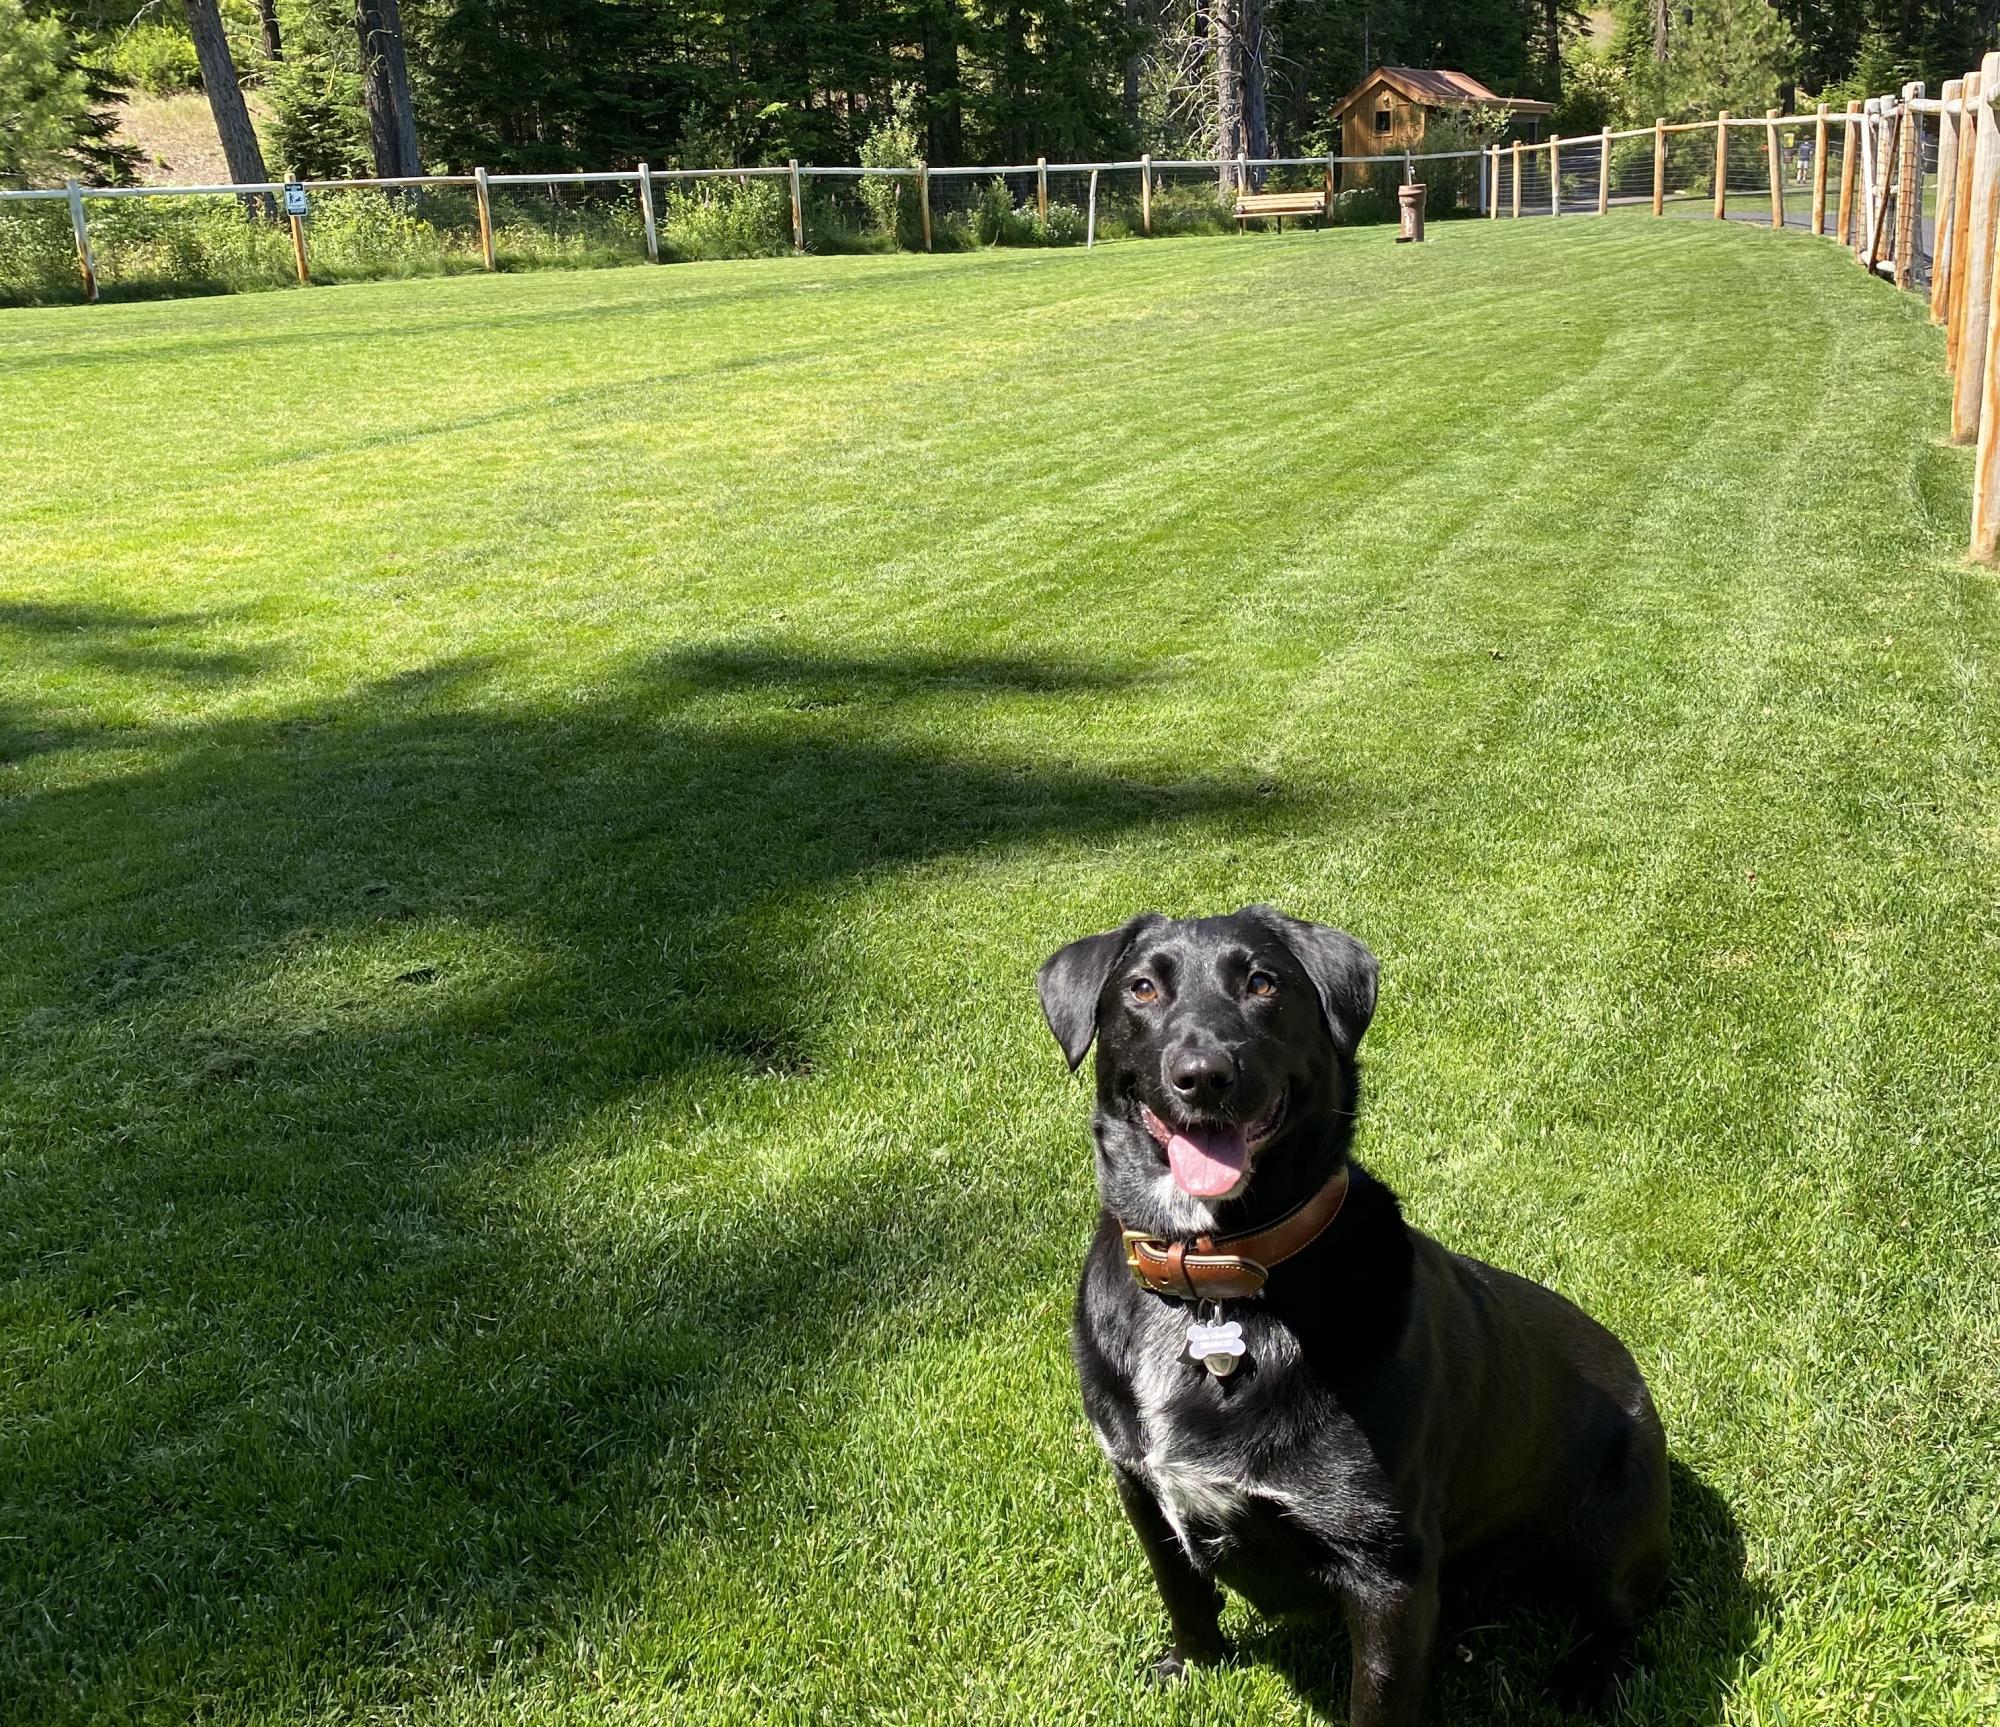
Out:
{"x": 1072, "y": 978}
{"x": 1342, "y": 972}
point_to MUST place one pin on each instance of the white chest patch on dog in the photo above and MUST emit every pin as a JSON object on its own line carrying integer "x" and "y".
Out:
{"x": 1197, "y": 1480}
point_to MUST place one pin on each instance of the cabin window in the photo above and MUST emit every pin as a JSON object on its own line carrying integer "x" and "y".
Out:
{"x": 1382, "y": 117}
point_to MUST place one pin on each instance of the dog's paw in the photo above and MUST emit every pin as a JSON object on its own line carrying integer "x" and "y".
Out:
{"x": 1586, "y": 1682}
{"x": 1175, "y": 1665}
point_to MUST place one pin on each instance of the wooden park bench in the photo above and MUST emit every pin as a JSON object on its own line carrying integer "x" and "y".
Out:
{"x": 1278, "y": 205}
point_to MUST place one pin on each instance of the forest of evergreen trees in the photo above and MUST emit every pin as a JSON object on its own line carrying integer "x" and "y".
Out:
{"x": 402, "y": 85}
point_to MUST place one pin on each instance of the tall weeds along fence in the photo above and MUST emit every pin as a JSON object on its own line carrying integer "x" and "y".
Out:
{"x": 1909, "y": 184}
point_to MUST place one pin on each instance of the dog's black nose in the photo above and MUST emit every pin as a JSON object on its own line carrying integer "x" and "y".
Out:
{"x": 1201, "y": 1076}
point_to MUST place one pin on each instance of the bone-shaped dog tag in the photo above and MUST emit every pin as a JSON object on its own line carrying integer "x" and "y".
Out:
{"x": 1216, "y": 1346}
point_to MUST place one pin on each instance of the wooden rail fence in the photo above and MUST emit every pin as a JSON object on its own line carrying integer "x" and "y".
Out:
{"x": 1879, "y": 207}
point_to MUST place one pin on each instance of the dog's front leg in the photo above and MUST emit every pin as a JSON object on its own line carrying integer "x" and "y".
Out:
{"x": 1393, "y": 1626}
{"x": 1193, "y": 1602}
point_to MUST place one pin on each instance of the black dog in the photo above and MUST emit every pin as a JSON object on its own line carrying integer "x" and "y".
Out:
{"x": 1356, "y": 1407}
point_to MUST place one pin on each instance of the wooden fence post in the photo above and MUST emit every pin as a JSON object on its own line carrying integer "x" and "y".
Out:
{"x": 1660, "y": 165}
{"x": 1042, "y": 187}
{"x": 1849, "y": 143}
{"x": 1146, "y": 193}
{"x": 298, "y": 227}
{"x": 1864, "y": 233}
{"x": 798, "y": 211}
{"x": 1243, "y": 173}
{"x": 483, "y": 197}
{"x": 646, "y": 214}
{"x": 1721, "y": 164}
{"x": 1968, "y": 384}
{"x": 1493, "y": 196}
{"x": 1883, "y": 165}
{"x": 1986, "y": 462}
{"x": 1909, "y": 186}
{"x": 1775, "y": 154}
{"x": 1961, "y": 220}
{"x": 1947, "y": 175}
{"x": 1819, "y": 171}
{"x": 924, "y": 200}
{"x": 1555, "y": 177}
{"x": 1517, "y": 176}
{"x": 1604, "y": 173}
{"x": 84, "y": 261}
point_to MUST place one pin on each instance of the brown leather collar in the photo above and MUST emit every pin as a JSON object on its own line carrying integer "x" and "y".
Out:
{"x": 1232, "y": 1267}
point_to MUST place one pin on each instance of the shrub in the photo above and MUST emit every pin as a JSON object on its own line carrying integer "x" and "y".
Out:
{"x": 995, "y": 221}
{"x": 892, "y": 204}
{"x": 37, "y": 255}
{"x": 1361, "y": 206}
{"x": 155, "y": 58}
{"x": 728, "y": 219}
{"x": 1190, "y": 207}
{"x": 1065, "y": 225}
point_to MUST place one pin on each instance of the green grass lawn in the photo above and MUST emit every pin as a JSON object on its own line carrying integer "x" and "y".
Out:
{"x": 533, "y": 1186}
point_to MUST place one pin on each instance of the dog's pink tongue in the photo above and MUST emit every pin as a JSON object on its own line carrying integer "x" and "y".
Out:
{"x": 1207, "y": 1160}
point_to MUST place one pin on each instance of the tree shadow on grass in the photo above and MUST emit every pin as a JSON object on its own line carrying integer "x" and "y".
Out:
{"x": 52, "y": 637}
{"x": 314, "y": 1392}
{"x": 1495, "y": 1657}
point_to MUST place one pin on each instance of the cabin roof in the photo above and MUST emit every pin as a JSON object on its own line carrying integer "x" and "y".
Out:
{"x": 1433, "y": 87}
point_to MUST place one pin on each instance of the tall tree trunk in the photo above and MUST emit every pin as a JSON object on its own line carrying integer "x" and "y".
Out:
{"x": 1132, "y": 24}
{"x": 267, "y": 18}
{"x": 1250, "y": 48}
{"x": 944, "y": 112}
{"x": 1552, "y": 49}
{"x": 1222, "y": 28}
{"x": 240, "y": 148}
{"x": 385, "y": 88}
{"x": 1661, "y": 12}
{"x": 1016, "y": 142}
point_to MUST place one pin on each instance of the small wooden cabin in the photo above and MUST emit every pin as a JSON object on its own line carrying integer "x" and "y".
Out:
{"x": 1389, "y": 111}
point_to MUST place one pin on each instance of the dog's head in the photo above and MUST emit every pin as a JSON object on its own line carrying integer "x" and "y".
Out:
{"x": 1225, "y": 1059}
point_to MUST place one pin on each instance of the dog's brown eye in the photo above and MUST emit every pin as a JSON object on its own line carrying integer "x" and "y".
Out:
{"x": 1262, "y": 983}
{"x": 1143, "y": 989}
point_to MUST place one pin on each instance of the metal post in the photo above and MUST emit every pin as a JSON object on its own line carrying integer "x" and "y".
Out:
{"x": 484, "y": 195}
{"x": 1146, "y": 194}
{"x": 1819, "y": 171}
{"x": 86, "y": 263}
{"x": 1090, "y": 216}
{"x": 798, "y": 211}
{"x": 924, "y": 199}
{"x": 646, "y": 214}
{"x": 1042, "y": 188}
{"x": 1775, "y": 156}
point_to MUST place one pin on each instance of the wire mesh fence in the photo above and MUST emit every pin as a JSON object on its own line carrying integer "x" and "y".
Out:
{"x": 139, "y": 241}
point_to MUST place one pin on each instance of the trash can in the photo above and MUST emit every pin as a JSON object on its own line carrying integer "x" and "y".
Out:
{"x": 1410, "y": 206}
